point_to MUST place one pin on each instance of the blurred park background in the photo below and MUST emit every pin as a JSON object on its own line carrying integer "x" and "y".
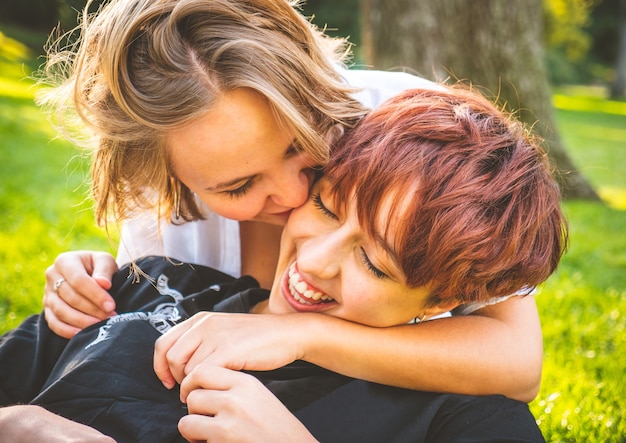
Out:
{"x": 560, "y": 64}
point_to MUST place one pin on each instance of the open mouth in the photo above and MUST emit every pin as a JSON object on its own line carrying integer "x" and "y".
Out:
{"x": 303, "y": 292}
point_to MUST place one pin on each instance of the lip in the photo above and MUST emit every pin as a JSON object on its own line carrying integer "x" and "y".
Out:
{"x": 295, "y": 304}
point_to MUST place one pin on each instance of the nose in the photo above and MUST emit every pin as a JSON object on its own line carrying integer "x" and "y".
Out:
{"x": 321, "y": 255}
{"x": 291, "y": 188}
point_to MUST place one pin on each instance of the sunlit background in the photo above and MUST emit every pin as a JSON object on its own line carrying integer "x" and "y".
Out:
{"x": 45, "y": 207}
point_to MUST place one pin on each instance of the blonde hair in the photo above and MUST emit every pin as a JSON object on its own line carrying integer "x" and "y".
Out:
{"x": 143, "y": 67}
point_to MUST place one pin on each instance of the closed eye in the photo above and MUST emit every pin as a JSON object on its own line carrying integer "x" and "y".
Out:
{"x": 291, "y": 151}
{"x": 370, "y": 266}
{"x": 241, "y": 190}
{"x": 319, "y": 204}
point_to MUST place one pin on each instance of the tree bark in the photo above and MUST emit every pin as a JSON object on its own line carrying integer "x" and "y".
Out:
{"x": 495, "y": 44}
{"x": 618, "y": 88}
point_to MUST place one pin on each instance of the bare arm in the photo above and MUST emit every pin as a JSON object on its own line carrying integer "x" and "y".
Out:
{"x": 28, "y": 423}
{"x": 499, "y": 351}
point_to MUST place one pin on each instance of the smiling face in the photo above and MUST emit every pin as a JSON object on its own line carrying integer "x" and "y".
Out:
{"x": 330, "y": 264}
{"x": 240, "y": 162}
{"x": 435, "y": 199}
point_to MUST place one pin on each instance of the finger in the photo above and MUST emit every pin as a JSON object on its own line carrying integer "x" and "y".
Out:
{"x": 78, "y": 288}
{"x": 104, "y": 266}
{"x": 197, "y": 428}
{"x": 206, "y": 401}
{"x": 89, "y": 274}
{"x": 179, "y": 355}
{"x": 212, "y": 378}
{"x": 65, "y": 313}
{"x": 58, "y": 327}
{"x": 165, "y": 361}
{"x": 66, "y": 301}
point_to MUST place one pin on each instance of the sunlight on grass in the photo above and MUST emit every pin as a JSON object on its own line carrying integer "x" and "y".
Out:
{"x": 595, "y": 136}
{"x": 589, "y": 104}
{"x": 43, "y": 196}
{"x": 45, "y": 211}
{"x": 14, "y": 76}
{"x": 583, "y": 311}
{"x": 12, "y": 50}
{"x": 12, "y": 88}
{"x": 614, "y": 197}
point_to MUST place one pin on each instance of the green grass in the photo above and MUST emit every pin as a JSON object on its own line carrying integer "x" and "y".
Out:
{"x": 583, "y": 306}
{"x": 583, "y": 311}
{"x": 594, "y": 130}
{"x": 43, "y": 199}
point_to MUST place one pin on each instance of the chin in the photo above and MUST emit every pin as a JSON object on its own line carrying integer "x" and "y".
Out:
{"x": 275, "y": 305}
{"x": 279, "y": 219}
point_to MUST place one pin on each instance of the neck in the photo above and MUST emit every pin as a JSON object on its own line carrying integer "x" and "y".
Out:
{"x": 260, "y": 308}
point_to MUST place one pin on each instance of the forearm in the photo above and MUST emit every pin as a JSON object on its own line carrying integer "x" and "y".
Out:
{"x": 478, "y": 354}
{"x": 28, "y": 423}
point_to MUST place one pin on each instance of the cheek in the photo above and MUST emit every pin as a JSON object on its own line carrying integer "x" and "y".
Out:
{"x": 245, "y": 208}
{"x": 360, "y": 301}
{"x": 300, "y": 222}
{"x": 367, "y": 304}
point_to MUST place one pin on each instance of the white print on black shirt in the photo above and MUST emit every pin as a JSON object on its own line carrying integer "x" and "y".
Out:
{"x": 163, "y": 318}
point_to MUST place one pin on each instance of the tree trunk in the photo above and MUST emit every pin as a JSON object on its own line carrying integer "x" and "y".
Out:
{"x": 618, "y": 88}
{"x": 495, "y": 44}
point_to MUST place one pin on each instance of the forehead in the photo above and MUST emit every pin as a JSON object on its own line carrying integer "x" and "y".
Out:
{"x": 383, "y": 216}
{"x": 239, "y": 136}
{"x": 391, "y": 214}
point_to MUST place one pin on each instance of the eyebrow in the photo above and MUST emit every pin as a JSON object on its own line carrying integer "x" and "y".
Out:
{"x": 388, "y": 249}
{"x": 228, "y": 184}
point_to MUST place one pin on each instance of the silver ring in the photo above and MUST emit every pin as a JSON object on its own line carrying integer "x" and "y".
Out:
{"x": 57, "y": 284}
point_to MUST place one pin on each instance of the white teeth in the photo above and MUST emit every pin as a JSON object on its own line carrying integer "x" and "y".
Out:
{"x": 301, "y": 300}
{"x": 301, "y": 291}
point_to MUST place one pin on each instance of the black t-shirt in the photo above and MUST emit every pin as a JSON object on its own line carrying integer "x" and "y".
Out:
{"x": 103, "y": 377}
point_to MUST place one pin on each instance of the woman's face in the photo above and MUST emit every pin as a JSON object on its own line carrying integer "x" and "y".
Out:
{"x": 329, "y": 264}
{"x": 240, "y": 162}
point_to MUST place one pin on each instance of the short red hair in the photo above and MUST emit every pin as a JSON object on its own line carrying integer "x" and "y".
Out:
{"x": 484, "y": 217}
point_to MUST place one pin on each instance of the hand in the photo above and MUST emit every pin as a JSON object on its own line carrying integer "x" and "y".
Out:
{"x": 81, "y": 299}
{"x": 235, "y": 341}
{"x": 230, "y": 406}
{"x": 28, "y": 423}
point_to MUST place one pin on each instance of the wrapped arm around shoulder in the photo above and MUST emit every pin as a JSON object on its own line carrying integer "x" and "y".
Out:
{"x": 497, "y": 350}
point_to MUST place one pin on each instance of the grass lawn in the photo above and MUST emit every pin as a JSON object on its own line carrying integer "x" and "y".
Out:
{"x": 583, "y": 305}
{"x": 45, "y": 210}
{"x": 43, "y": 200}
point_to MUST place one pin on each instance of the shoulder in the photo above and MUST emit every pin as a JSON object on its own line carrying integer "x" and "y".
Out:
{"x": 374, "y": 87}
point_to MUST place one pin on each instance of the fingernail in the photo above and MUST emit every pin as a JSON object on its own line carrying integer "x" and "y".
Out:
{"x": 108, "y": 306}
